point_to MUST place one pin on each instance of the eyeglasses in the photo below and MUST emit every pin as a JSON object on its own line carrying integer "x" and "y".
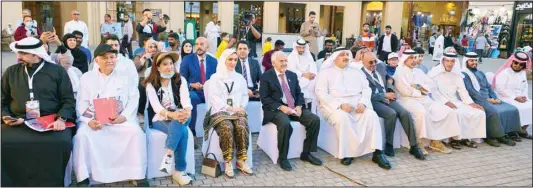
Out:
{"x": 372, "y": 62}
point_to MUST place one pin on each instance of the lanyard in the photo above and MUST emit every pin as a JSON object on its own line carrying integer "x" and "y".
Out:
{"x": 30, "y": 78}
{"x": 229, "y": 88}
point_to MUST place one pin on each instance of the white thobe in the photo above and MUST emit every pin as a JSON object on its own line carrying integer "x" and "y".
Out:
{"x": 74, "y": 74}
{"x": 358, "y": 133}
{"x": 432, "y": 120}
{"x": 509, "y": 85}
{"x": 438, "y": 48}
{"x": 80, "y": 26}
{"x": 217, "y": 94}
{"x": 471, "y": 120}
{"x": 116, "y": 152}
{"x": 300, "y": 65}
{"x": 125, "y": 65}
{"x": 211, "y": 32}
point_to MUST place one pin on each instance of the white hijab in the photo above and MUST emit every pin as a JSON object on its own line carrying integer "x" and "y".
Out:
{"x": 435, "y": 71}
{"x": 330, "y": 61}
{"x": 222, "y": 72}
{"x": 468, "y": 72}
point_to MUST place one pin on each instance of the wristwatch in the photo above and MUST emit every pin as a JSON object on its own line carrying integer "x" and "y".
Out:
{"x": 62, "y": 119}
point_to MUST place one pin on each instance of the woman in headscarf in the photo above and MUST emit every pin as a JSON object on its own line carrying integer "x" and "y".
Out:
{"x": 227, "y": 97}
{"x": 186, "y": 48}
{"x": 170, "y": 112}
{"x": 144, "y": 60}
{"x": 80, "y": 59}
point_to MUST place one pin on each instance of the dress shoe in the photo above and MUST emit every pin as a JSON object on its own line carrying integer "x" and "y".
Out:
{"x": 312, "y": 159}
{"x": 381, "y": 161}
{"x": 347, "y": 161}
{"x": 285, "y": 165}
{"x": 493, "y": 142}
{"x": 417, "y": 152}
{"x": 419, "y": 143}
{"x": 506, "y": 141}
{"x": 389, "y": 150}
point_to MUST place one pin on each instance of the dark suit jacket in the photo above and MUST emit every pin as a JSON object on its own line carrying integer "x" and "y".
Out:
{"x": 255, "y": 71}
{"x": 270, "y": 93}
{"x": 393, "y": 43}
{"x": 380, "y": 70}
{"x": 190, "y": 68}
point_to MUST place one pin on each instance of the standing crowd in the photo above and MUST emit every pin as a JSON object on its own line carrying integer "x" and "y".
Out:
{"x": 452, "y": 104}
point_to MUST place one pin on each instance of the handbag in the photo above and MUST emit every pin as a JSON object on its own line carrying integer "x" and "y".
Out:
{"x": 211, "y": 167}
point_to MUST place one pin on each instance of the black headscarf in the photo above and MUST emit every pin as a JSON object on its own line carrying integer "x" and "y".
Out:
{"x": 183, "y": 54}
{"x": 80, "y": 59}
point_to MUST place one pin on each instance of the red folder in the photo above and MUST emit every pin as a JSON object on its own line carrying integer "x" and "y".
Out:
{"x": 105, "y": 109}
{"x": 47, "y": 120}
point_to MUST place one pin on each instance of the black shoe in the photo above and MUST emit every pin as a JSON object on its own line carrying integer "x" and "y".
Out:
{"x": 455, "y": 144}
{"x": 84, "y": 183}
{"x": 347, "y": 161}
{"x": 381, "y": 161}
{"x": 492, "y": 142}
{"x": 506, "y": 141}
{"x": 312, "y": 159}
{"x": 417, "y": 152}
{"x": 143, "y": 183}
{"x": 389, "y": 150}
{"x": 285, "y": 165}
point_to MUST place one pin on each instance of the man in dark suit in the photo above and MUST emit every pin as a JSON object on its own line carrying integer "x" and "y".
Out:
{"x": 249, "y": 68}
{"x": 282, "y": 101}
{"x": 387, "y": 43}
{"x": 197, "y": 69}
{"x": 384, "y": 102}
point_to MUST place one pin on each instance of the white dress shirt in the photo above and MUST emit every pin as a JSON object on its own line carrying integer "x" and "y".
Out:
{"x": 168, "y": 99}
{"x": 386, "y": 43}
{"x": 80, "y": 26}
{"x": 248, "y": 75}
{"x": 283, "y": 98}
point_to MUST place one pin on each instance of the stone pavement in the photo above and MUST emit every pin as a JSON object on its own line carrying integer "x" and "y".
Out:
{"x": 484, "y": 166}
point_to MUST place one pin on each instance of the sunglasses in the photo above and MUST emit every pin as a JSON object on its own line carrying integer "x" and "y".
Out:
{"x": 76, "y": 14}
{"x": 372, "y": 62}
{"x": 519, "y": 63}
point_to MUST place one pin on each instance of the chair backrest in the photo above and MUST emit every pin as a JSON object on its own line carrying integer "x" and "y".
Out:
{"x": 146, "y": 119}
{"x": 489, "y": 76}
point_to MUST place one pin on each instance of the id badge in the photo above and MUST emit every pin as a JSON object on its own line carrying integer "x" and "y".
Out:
{"x": 230, "y": 102}
{"x": 32, "y": 109}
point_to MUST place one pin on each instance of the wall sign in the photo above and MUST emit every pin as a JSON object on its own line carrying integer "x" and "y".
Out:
{"x": 525, "y": 5}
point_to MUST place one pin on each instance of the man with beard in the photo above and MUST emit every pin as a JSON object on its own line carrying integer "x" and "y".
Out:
{"x": 449, "y": 87}
{"x": 310, "y": 30}
{"x": 301, "y": 62}
{"x": 31, "y": 158}
{"x": 511, "y": 85}
{"x": 249, "y": 68}
{"x": 328, "y": 48}
{"x": 267, "y": 61}
{"x": 147, "y": 28}
{"x": 502, "y": 118}
{"x": 197, "y": 68}
{"x": 174, "y": 43}
{"x": 344, "y": 97}
{"x": 384, "y": 102}
{"x": 387, "y": 43}
{"x": 367, "y": 37}
{"x": 79, "y": 40}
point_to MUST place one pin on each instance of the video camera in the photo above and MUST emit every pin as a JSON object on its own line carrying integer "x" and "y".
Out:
{"x": 247, "y": 18}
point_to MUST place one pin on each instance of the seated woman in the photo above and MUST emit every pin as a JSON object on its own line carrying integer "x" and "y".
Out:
{"x": 65, "y": 59}
{"x": 228, "y": 96}
{"x": 170, "y": 111}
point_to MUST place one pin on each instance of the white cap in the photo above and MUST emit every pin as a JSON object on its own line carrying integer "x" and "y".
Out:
{"x": 392, "y": 55}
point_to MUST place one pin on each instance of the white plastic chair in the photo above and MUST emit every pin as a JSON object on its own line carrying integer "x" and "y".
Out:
{"x": 214, "y": 141}
{"x": 155, "y": 141}
{"x": 268, "y": 140}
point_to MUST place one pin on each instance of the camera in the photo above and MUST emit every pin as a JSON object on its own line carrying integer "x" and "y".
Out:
{"x": 247, "y": 18}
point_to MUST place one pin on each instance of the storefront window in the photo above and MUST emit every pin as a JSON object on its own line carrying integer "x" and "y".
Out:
{"x": 291, "y": 17}
{"x": 524, "y": 30}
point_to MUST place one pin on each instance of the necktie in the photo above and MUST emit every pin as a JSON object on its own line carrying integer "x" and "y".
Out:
{"x": 377, "y": 80}
{"x": 244, "y": 71}
{"x": 202, "y": 71}
{"x": 286, "y": 92}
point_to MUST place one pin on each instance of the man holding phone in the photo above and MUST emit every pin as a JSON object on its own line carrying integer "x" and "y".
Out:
{"x": 36, "y": 85}
{"x": 147, "y": 27}
{"x": 310, "y": 30}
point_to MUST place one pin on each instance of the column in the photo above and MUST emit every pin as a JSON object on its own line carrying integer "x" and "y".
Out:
{"x": 225, "y": 16}
{"x": 177, "y": 16}
{"x": 95, "y": 12}
{"x": 270, "y": 17}
{"x": 11, "y": 13}
{"x": 393, "y": 16}
{"x": 352, "y": 20}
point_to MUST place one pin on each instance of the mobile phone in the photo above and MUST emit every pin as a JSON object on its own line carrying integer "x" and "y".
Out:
{"x": 9, "y": 118}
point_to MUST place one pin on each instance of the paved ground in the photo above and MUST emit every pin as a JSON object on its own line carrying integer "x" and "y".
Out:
{"x": 484, "y": 166}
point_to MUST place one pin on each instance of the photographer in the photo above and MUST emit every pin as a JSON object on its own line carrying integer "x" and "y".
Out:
{"x": 27, "y": 29}
{"x": 252, "y": 34}
{"x": 147, "y": 28}
{"x": 310, "y": 30}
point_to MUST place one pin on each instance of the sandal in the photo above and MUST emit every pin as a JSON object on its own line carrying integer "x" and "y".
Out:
{"x": 455, "y": 144}
{"x": 470, "y": 144}
{"x": 515, "y": 137}
{"x": 525, "y": 135}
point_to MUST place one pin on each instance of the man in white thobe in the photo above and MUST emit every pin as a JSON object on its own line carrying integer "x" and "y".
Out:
{"x": 449, "y": 81}
{"x": 212, "y": 33}
{"x": 124, "y": 64}
{"x": 433, "y": 120}
{"x": 438, "y": 49}
{"x": 301, "y": 62}
{"x": 344, "y": 97}
{"x": 510, "y": 82}
{"x": 77, "y": 25}
{"x": 114, "y": 151}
